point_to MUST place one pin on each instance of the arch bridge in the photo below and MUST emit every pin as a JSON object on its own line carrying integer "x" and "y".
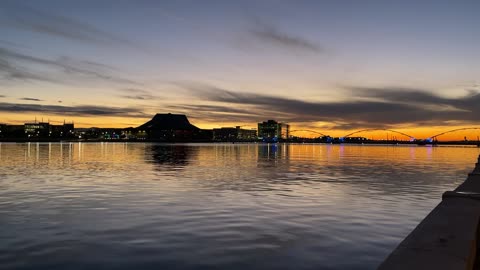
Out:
{"x": 308, "y": 130}
{"x": 434, "y": 137}
{"x": 379, "y": 129}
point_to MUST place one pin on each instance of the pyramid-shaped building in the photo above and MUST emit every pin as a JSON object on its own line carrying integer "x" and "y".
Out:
{"x": 169, "y": 127}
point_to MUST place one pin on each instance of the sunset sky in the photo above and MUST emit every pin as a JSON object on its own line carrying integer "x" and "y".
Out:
{"x": 331, "y": 66}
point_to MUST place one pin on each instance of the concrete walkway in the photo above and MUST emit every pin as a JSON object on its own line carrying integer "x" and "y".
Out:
{"x": 447, "y": 237}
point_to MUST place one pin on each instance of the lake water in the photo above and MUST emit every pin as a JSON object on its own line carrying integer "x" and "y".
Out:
{"x": 216, "y": 206}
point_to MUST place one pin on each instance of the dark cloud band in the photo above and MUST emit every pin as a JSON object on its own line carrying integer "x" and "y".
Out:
{"x": 376, "y": 108}
{"x": 73, "y": 110}
{"x": 30, "y": 99}
{"x": 272, "y": 35}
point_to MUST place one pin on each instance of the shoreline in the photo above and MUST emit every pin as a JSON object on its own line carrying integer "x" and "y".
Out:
{"x": 374, "y": 143}
{"x": 448, "y": 237}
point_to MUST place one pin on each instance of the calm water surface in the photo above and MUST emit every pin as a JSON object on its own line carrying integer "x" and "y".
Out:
{"x": 216, "y": 206}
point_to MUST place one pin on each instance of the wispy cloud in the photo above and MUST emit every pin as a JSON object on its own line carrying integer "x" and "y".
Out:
{"x": 30, "y": 99}
{"x": 273, "y": 35}
{"x": 375, "y": 107}
{"x": 22, "y": 17}
{"x": 11, "y": 71}
{"x": 81, "y": 110}
{"x": 12, "y": 66}
{"x": 136, "y": 94}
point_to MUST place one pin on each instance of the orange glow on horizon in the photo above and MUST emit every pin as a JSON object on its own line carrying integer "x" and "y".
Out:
{"x": 123, "y": 122}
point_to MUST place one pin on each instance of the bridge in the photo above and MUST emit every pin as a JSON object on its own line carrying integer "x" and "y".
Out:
{"x": 379, "y": 129}
{"x": 434, "y": 137}
{"x": 307, "y": 130}
{"x": 411, "y": 138}
{"x": 358, "y": 131}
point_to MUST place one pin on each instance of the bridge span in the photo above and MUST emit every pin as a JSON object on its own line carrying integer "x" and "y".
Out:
{"x": 431, "y": 139}
{"x": 434, "y": 137}
{"x": 379, "y": 129}
{"x": 308, "y": 130}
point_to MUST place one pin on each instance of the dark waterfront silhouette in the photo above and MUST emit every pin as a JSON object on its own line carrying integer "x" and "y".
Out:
{"x": 177, "y": 128}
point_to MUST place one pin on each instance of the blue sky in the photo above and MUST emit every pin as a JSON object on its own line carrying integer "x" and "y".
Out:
{"x": 320, "y": 64}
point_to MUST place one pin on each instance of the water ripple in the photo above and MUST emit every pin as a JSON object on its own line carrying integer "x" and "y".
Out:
{"x": 216, "y": 206}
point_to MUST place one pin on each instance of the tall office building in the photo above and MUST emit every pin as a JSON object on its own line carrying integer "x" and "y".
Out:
{"x": 272, "y": 130}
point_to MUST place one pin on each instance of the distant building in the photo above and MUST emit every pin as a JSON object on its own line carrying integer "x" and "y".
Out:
{"x": 271, "y": 130}
{"x": 111, "y": 133}
{"x": 95, "y": 133}
{"x": 169, "y": 127}
{"x": 134, "y": 134}
{"x": 37, "y": 129}
{"x": 13, "y": 131}
{"x": 226, "y": 134}
{"x": 47, "y": 130}
{"x": 246, "y": 134}
{"x": 88, "y": 133}
{"x": 67, "y": 130}
{"x": 3, "y": 130}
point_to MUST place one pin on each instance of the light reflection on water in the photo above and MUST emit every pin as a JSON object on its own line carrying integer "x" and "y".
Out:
{"x": 227, "y": 206}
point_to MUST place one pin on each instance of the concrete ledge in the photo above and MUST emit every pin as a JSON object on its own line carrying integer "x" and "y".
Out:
{"x": 460, "y": 194}
{"x": 447, "y": 237}
{"x": 471, "y": 185}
